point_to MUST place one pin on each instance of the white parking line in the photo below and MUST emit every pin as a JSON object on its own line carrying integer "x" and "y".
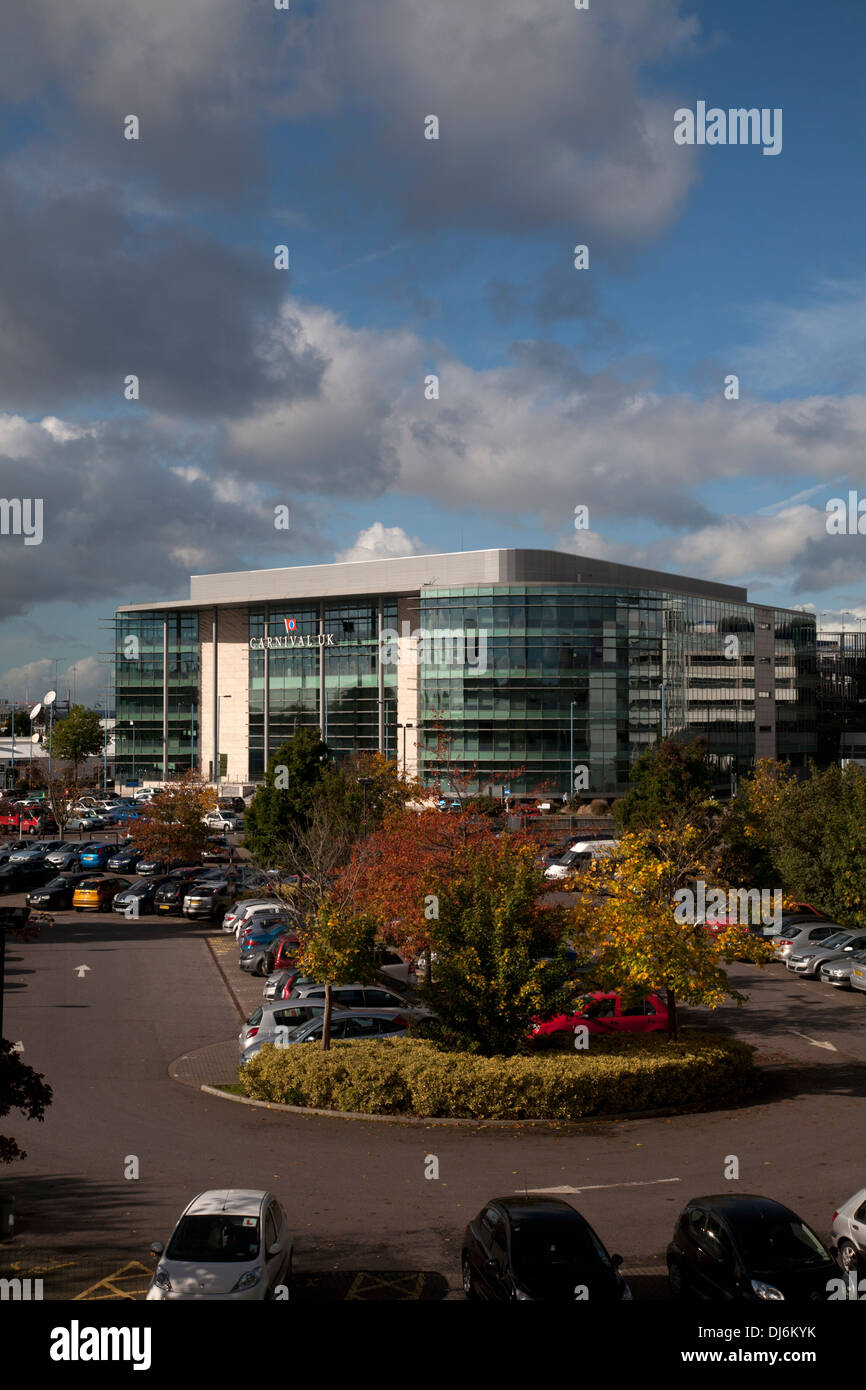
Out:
{"x": 592, "y": 1187}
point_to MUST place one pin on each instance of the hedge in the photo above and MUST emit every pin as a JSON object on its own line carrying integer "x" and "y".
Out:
{"x": 406, "y": 1076}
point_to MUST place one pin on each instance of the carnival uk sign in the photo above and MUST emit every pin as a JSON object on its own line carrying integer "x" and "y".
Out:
{"x": 291, "y": 639}
{"x": 320, "y": 639}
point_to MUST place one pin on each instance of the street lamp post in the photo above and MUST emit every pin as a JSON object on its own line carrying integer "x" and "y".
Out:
{"x": 192, "y": 738}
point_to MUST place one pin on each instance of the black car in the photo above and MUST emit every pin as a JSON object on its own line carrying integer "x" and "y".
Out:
{"x": 538, "y": 1248}
{"x": 18, "y": 878}
{"x": 750, "y": 1249}
{"x": 169, "y": 896}
{"x": 57, "y": 892}
{"x": 127, "y": 857}
{"x": 142, "y": 892}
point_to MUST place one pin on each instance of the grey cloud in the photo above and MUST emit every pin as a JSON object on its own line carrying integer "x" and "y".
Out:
{"x": 95, "y": 296}
{"x": 543, "y": 117}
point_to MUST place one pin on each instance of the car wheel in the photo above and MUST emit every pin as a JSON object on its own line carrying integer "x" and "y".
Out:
{"x": 679, "y": 1286}
{"x": 849, "y": 1256}
{"x": 468, "y": 1278}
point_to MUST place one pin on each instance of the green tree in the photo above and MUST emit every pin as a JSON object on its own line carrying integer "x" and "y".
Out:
{"x": 670, "y": 781}
{"x": 363, "y": 791}
{"x": 22, "y": 723}
{"x": 814, "y": 833}
{"x": 500, "y": 960}
{"x": 285, "y": 802}
{"x": 339, "y": 949}
{"x": 77, "y": 737}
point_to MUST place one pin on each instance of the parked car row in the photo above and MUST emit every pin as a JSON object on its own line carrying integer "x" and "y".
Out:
{"x": 236, "y": 1244}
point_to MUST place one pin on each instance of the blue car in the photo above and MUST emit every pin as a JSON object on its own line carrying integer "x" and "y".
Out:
{"x": 263, "y": 936}
{"x": 121, "y": 814}
{"x": 97, "y": 856}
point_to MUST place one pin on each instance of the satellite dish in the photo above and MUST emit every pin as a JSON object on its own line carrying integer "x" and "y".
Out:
{"x": 49, "y": 697}
{"x": 35, "y": 738}
{"x": 35, "y": 710}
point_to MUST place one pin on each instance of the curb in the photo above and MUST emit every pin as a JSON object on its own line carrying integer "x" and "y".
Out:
{"x": 439, "y": 1120}
{"x": 225, "y": 979}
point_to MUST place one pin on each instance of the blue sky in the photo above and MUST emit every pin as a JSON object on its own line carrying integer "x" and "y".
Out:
{"x": 557, "y": 387}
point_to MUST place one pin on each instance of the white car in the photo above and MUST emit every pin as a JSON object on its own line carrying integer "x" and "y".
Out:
{"x": 397, "y": 966}
{"x": 849, "y": 1231}
{"x": 239, "y": 912}
{"x": 229, "y": 1244}
{"x": 223, "y": 820}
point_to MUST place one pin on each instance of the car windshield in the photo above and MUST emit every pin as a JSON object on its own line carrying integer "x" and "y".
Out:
{"x": 57, "y": 883}
{"x": 550, "y": 1247}
{"x": 141, "y": 885}
{"x": 215, "y": 1238}
{"x": 839, "y": 938}
{"x": 91, "y": 882}
{"x": 773, "y": 1242}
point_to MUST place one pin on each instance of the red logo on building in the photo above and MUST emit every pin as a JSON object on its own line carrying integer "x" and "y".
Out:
{"x": 290, "y": 624}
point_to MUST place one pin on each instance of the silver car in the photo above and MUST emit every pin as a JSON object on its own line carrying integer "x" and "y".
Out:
{"x": 807, "y": 960}
{"x": 351, "y": 1024}
{"x": 229, "y": 1244}
{"x": 801, "y": 935}
{"x": 271, "y": 1022}
{"x": 838, "y": 972}
{"x": 357, "y": 996}
{"x": 849, "y": 1231}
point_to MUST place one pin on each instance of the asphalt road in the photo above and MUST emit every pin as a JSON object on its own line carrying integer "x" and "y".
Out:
{"x": 367, "y": 1223}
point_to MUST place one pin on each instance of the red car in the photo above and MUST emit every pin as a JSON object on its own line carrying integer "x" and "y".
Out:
{"x": 604, "y": 1013}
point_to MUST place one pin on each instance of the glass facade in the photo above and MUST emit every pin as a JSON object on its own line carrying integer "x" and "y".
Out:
{"x": 622, "y": 665}
{"x": 342, "y": 699}
{"x": 143, "y": 682}
{"x": 543, "y": 680}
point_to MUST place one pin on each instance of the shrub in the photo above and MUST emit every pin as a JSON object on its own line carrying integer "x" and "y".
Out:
{"x": 409, "y": 1076}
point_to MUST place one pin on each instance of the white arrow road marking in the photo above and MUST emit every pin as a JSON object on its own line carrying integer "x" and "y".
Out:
{"x": 814, "y": 1041}
{"x": 595, "y": 1187}
{"x": 81, "y": 970}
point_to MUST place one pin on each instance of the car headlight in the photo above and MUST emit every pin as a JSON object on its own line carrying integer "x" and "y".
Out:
{"x": 767, "y": 1291}
{"x": 248, "y": 1280}
{"x": 162, "y": 1280}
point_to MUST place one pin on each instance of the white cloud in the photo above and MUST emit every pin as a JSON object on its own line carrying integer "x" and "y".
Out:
{"x": 380, "y": 542}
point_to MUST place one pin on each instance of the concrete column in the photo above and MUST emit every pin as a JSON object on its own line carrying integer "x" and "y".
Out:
{"x": 323, "y": 723}
{"x": 165, "y": 696}
{"x": 266, "y": 705}
{"x": 380, "y": 673}
{"x": 408, "y": 683}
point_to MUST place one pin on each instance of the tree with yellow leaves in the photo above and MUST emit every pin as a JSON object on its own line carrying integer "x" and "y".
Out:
{"x": 627, "y": 919}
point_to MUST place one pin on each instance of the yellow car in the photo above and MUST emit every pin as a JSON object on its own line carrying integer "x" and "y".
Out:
{"x": 97, "y": 894}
